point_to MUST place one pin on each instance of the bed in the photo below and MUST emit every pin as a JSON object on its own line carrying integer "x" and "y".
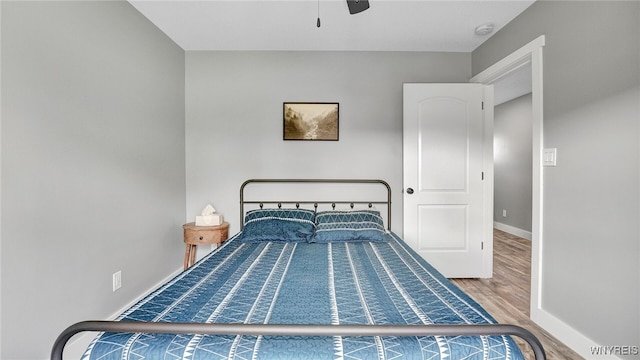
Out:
{"x": 315, "y": 279}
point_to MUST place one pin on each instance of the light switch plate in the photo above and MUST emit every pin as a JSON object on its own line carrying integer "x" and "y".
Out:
{"x": 549, "y": 156}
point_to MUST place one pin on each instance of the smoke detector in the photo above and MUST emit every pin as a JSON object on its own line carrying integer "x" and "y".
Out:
{"x": 484, "y": 29}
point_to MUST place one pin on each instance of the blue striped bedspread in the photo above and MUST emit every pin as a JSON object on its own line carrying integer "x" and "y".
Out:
{"x": 306, "y": 283}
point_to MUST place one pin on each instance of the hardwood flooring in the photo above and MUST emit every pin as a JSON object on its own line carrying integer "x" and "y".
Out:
{"x": 506, "y": 296}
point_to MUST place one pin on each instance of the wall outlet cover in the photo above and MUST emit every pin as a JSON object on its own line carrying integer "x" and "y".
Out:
{"x": 117, "y": 280}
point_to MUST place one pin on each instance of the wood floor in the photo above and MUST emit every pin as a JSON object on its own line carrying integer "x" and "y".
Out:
{"x": 506, "y": 295}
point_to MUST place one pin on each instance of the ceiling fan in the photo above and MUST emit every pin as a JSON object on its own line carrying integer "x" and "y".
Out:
{"x": 355, "y": 6}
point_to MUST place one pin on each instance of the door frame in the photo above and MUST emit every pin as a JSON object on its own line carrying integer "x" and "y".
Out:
{"x": 531, "y": 54}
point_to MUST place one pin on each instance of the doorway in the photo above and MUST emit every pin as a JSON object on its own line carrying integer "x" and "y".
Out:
{"x": 528, "y": 55}
{"x": 512, "y": 154}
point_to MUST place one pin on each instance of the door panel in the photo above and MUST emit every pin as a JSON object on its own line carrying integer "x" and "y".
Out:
{"x": 434, "y": 222}
{"x": 444, "y": 154}
{"x": 443, "y": 149}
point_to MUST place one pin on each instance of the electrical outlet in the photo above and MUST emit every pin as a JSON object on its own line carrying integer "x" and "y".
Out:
{"x": 117, "y": 280}
{"x": 504, "y": 212}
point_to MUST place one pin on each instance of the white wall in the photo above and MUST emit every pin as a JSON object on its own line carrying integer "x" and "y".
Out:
{"x": 512, "y": 164}
{"x": 92, "y": 165}
{"x": 234, "y": 118}
{"x": 591, "y": 249}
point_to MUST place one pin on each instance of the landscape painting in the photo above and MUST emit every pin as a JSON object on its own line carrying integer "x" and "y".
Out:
{"x": 310, "y": 121}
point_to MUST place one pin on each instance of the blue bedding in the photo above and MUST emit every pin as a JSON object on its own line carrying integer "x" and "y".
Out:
{"x": 306, "y": 283}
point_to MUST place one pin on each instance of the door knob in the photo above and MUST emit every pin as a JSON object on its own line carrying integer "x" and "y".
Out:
{"x": 409, "y": 191}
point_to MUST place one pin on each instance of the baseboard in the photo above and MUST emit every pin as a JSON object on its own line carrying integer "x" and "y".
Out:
{"x": 512, "y": 230}
{"x": 575, "y": 340}
{"x": 76, "y": 347}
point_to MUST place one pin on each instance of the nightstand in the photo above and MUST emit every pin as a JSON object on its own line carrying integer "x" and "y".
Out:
{"x": 202, "y": 235}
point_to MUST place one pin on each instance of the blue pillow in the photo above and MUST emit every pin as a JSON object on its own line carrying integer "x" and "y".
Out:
{"x": 349, "y": 225}
{"x": 292, "y": 225}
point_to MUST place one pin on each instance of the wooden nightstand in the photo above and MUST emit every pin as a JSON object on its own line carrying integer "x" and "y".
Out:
{"x": 202, "y": 235}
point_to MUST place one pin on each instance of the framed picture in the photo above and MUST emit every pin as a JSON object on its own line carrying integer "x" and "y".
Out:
{"x": 310, "y": 121}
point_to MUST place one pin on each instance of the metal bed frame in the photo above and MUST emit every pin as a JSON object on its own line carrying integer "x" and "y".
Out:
{"x": 315, "y": 203}
{"x": 296, "y": 329}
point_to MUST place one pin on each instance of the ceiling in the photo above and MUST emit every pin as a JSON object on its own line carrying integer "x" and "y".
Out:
{"x": 388, "y": 25}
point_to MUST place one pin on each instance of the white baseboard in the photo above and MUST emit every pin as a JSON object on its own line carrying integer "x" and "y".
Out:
{"x": 76, "y": 347}
{"x": 569, "y": 336}
{"x": 512, "y": 230}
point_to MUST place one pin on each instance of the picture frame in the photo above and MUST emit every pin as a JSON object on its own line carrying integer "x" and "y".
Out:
{"x": 311, "y": 121}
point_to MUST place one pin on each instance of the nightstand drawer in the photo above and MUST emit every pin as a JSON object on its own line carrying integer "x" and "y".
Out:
{"x": 205, "y": 237}
{"x": 202, "y": 235}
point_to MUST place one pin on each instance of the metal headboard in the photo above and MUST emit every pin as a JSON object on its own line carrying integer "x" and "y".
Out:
{"x": 315, "y": 203}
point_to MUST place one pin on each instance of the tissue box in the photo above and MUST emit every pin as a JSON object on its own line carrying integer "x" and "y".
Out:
{"x": 209, "y": 220}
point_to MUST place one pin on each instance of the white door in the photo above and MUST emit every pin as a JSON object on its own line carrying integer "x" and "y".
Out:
{"x": 448, "y": 176}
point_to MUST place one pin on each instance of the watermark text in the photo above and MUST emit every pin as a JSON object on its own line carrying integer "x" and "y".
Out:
{"x": 617, "y": 350}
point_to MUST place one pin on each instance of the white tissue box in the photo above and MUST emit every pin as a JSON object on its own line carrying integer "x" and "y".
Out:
{"x": 209, "y": 220}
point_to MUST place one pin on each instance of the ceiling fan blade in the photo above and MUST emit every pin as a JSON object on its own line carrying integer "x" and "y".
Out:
{"x": 356, "y": 6}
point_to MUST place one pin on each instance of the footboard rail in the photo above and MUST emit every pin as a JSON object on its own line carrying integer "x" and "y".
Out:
{"x": 296, "y": 330}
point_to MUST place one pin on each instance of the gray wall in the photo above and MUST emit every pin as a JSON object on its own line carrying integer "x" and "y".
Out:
{"x": 92, "y": 165}
{"x": 234, "y": 118}
{"x": 512, "y": 163}
{"x": 590, "y": 274}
